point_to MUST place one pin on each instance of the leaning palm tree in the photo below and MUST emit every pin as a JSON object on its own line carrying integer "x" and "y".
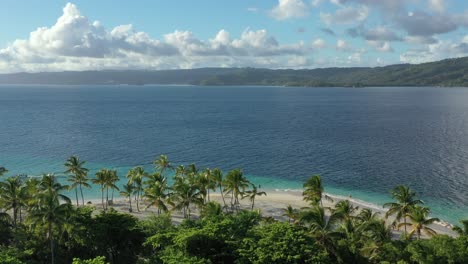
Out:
{"x": 127, "y": 191}
{"x": 463, "y": 230}
{"x": 252, "y": 194}
{"x": 420, "y": 221}
{"x": 235, "y": 184}
{"x": 78, "y": 175}
{"x": 291, "y": 213}
{"x": 52, "y": 210}
{"x": 405, "y": 202}
{"x": 217, "y": 178}
{"x": 313, "y": 190}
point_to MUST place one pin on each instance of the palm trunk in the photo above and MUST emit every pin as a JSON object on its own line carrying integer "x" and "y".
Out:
{"x": 82, "y": 197}
{"x": 404, "y": 220}
{"x": 130, "y": 202}
{"x": 51, "y": 242}
{"x": 107, "y": 197}
{"x": 137, "y": 200}
{"x": 15, "y": 215}
{"x": 102, "y": 199}
{"x": 253, "y": 203}
{"x": 222, "y": 195}
{"x": 76, "y": 194}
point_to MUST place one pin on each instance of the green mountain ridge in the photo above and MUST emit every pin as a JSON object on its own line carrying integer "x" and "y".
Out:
{"x": 446, "y": 73}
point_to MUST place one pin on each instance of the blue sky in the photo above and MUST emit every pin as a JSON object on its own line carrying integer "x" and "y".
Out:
{"x": 61, "y": 35}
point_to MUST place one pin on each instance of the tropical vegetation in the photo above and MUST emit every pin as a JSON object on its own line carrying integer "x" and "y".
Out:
{"x": 40, "y": 224}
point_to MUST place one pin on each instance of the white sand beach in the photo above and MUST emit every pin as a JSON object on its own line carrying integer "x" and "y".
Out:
{"x": 271, "y": 205}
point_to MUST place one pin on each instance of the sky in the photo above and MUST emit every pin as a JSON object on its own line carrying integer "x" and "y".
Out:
{"x": 37, "y": 35}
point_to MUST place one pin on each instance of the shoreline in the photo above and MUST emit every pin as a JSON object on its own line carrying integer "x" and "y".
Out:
{"x": 271, "y": 205}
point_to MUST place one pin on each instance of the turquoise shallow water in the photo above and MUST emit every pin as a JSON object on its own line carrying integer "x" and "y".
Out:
{"x": 362, "y": 141}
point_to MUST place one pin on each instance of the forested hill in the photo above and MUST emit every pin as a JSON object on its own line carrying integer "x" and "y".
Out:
{"x": 449, "y": 72}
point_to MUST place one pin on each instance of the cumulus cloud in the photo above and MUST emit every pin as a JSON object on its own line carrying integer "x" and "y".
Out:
{"x": 289, "y": 9}
{"x": 345, "y": 15}
{"x": 75, "y": 43}
{"x": 437, "y": 5}
{"x": 437, "y": 51}
{"x": 420, "y": 23}
{"x": 381, "y": 46}
{"x": 319, "y": 43}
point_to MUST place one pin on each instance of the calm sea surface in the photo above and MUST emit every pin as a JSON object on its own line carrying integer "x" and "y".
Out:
{"x": 362, "y": 141}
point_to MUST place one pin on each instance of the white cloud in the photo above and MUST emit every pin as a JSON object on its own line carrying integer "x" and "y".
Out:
{"x": 437, "y": 5}
{"x": 342, "y": 45}
{"x": 381, "y": 46}
{"x": 75, "y": 43}
{"x": 287, "y": 9}
{"x": 319, "y": 44}
{"x": 437, "y": 51}
{"x": 345, "y": 15}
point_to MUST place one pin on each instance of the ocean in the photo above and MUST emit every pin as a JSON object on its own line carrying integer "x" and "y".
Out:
{"x": 363, "y": 141}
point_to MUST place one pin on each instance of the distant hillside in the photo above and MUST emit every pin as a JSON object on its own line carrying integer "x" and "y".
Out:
{"x": 450, "y": 72}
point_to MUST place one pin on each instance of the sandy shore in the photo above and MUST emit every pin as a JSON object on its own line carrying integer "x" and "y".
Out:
{"x": 271, "y": 205}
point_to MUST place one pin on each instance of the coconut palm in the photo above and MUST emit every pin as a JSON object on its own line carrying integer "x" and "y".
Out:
{"x": 50, "y": 209}
{"x": 183, "y": 195}
{"x": 101, "y": 180}
{"x": 291, "y": 213}
{"x": 322, "y": 227}
{"x": 78, "y": 175}
{"x": 367, "y": 215}
{"x": 203, "y": 182}
{"x": 127, "y": 191}
{"x": 49, "y": 183}
{"x": 313, "y": 190}
{"x": 252, "y": 194}
{"x": 235, "y": 184}
{"x": 217, "y": 178}
{"x": 12, "y": 196}
{"x": 113, "y": 178}
{"x": 162, "y": 164}
{"x": 420, "y": 221}
{"x": 405, "y": 202}
{"x": 135, "y": 178}
{"x": 156, "y": 195}
{"x": 345, "y": 210}
{"x": 463, "y": 230}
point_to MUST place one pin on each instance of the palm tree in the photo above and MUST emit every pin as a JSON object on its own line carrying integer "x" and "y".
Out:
{"x": 420, "y": 222}
{"x": 202, "y": 182}
{"x": 112, "y": 180}
{"x": 235, "y": 184}
{"x": 345, "y": 210}
{"x": 183, "y": 195}
{"x": 12, "y": 193}
{"x": 462, "y": 231}
{"x": 135, "y": 178}
{"x": 252, "y": 194}
{"x": 322, "y": 227}
{"x": 162, "y": 163}
{"x": 49, "y": 183}
{"x": 50, "y": 208}
{"x": 291, "y": 213}
{"x": 313, "y": 190}
{"x": 101, "y": 180}
{"x": 156, "y": 194}
{"x": 127, "y": 193}
{"x": 217, "y": 177}
{"x": 78, "y": 175}
{"x": 405, "y": 202}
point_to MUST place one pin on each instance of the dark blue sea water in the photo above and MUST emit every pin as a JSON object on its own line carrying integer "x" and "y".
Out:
{"x": 362, "y": 141}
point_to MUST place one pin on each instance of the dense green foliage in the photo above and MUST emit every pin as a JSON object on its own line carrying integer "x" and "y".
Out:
{"x": 38, "y": 224}
{"x": 449, "y": 72}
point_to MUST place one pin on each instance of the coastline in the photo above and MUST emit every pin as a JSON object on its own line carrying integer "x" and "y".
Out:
{"x": 271, "y": 205}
